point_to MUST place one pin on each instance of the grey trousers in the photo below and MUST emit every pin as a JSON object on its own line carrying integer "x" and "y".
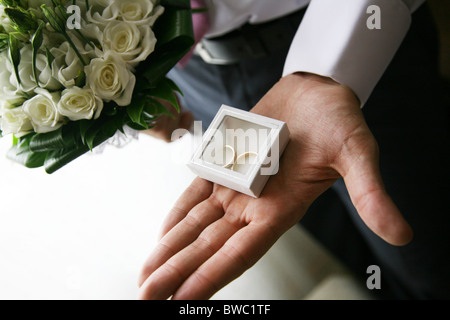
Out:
{"x": 410, "y": 121}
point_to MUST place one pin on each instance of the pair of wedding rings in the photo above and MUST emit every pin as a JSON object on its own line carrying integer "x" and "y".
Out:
{"x": 235, "y": 162}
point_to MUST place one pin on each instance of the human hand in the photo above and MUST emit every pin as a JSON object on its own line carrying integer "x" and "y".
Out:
{"x": 213, "y": 234}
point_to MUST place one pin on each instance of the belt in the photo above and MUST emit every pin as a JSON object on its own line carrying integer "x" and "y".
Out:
{"x": 250, "y": 41}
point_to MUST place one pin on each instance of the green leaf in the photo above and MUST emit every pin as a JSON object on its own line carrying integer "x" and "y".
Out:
{"x": 50, "y": 56}
{"x": 165, "y": 91}
{"x": 14, "y": 54}
{"x": 58, "y": 159}
{"x": 174, "y": 86}
{"x": 199, "y": 10}
{"x": 80, "y": 81}
{"x": 61, "y": 9}
{"x": 59, "y": 139}
{"x": 160, "y": 108}
{"x": 22, "y": 20}
{"x": 137, "y": 127}
{"x": 90, "y": 137}
{"x": 4, "y": 39}
{"x": 111, "y": 109}
{"x": 15, "y": 140}
{"x": 181, "y": 4}
{"x": 36, "y": 44}
{"x": 84, "y": 126}
{"x": 9, "y": 3}
{"x": 53, "y": 19}
{"x": 21, "y": 153}
{"x": 134, "y": 110}
{"x": 101, "y": 130}
{"x": 110, "y": 127}
{"x": 175, "y": 35}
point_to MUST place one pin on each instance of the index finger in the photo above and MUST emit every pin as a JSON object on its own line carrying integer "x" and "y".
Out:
{"x": 193, "y": 204}
{"x": 239, "y": 253}
{"x": 197, "y": 192}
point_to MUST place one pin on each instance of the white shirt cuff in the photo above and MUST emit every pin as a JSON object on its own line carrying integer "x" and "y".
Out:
{"x": 334, "y": 41}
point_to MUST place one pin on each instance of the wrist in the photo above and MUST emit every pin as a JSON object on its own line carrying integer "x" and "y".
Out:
{"x": 313, "y": 78}
{"x": 309, "y": 86}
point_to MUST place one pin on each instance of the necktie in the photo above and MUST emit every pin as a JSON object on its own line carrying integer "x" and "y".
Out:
{"x": 201, "y": 26}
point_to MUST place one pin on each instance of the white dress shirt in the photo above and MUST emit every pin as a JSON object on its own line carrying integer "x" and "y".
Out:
{"x": 333, "y": 39}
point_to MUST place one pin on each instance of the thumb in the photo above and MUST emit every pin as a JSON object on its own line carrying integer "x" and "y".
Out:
{"x": 358, "y": 164}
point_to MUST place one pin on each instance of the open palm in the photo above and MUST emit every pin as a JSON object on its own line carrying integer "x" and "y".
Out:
{"x": 213, "y": 234}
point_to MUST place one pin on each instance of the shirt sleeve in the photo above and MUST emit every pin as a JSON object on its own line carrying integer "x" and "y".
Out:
{"x": 350, "y": 41}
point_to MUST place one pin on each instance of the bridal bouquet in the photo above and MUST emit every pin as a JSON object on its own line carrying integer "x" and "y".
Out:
{"x": 73, "y": 73}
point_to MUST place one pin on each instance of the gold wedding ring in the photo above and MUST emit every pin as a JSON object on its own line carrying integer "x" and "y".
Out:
{"x": 230, "y": 156}
{"x": 228, "y": 159}
{"x": 244, "y": 162}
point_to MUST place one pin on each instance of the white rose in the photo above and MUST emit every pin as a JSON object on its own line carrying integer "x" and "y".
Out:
{"x": 25, "y": 71}
{"x": 15, "y": 121}
{"x": 134, "y": 44}
{"x": 66, "y": 66}
{"x": 43, "y": 111}
{"x": 141, "y": 12}
{"x": 10, "y": 103}
{"x": 7, "y": 89}
{"x": 28, "y": 82}
{"x": 100, "y": 3}
{"x": 110, "y": 79}
{"x": 52, "y": 39}
{"x": 10, "y": 97}
{"x": 78, "y": 104}
{"x": 93, "y": 33}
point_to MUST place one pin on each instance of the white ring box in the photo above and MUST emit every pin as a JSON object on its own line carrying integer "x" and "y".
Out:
{"x": 240, "y": 150}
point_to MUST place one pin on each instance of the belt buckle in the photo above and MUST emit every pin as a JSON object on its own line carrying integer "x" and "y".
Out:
{"x": 202, "y": 51}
